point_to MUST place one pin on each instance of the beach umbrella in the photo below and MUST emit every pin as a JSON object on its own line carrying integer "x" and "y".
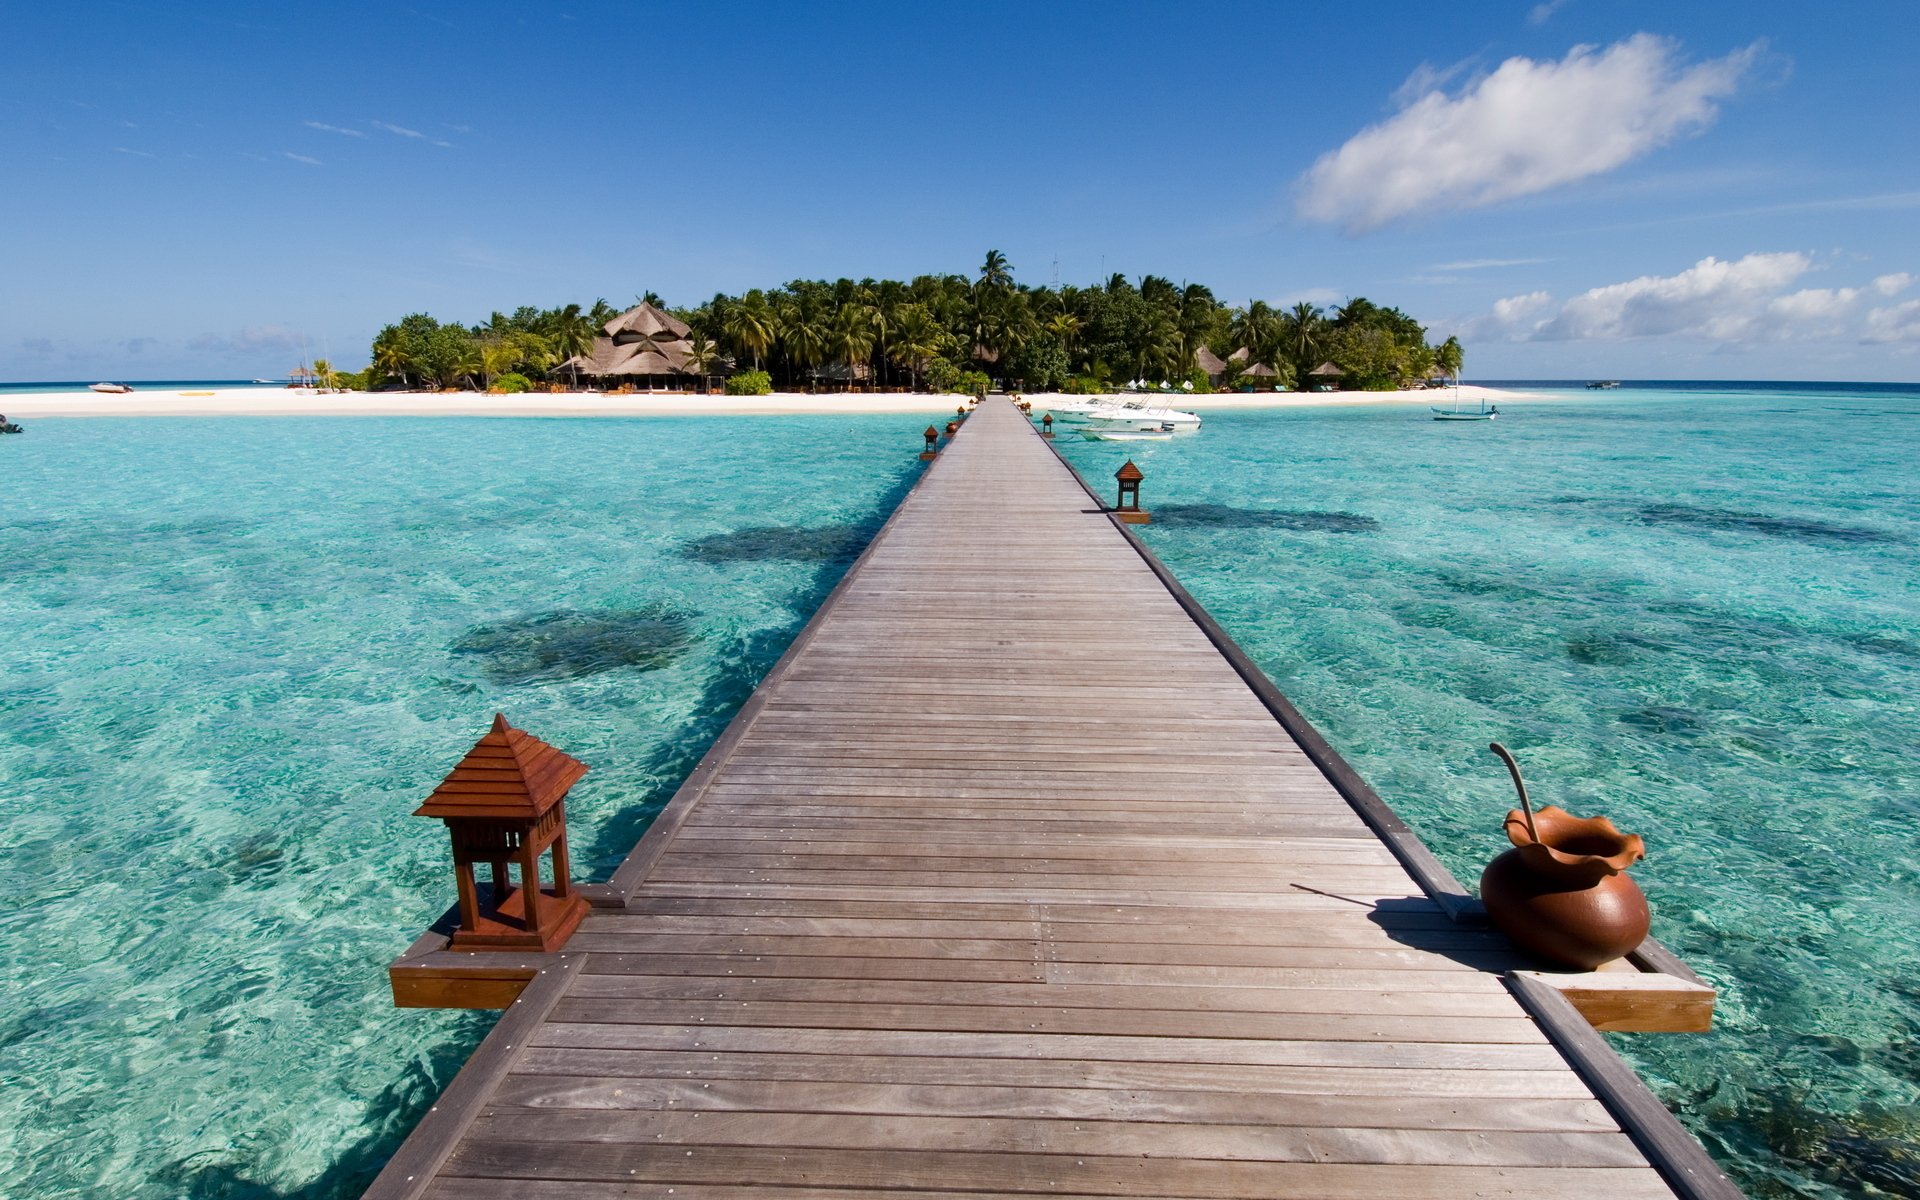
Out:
{"x": 1188, "y": 385}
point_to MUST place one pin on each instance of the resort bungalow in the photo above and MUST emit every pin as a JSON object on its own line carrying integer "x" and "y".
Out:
{"x": 645, "y": 347}
{"x": 1252, "y": 375}
{"x": 1215, "y": 366}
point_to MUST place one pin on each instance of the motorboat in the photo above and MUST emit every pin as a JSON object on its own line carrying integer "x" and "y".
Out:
{"x": 1075, "y": 411}
{"x": 1093, "y": 434}
{"x": 1603, "y": 385}
{"x": 112, "y": 388}
{"x": 1137, "y": 414}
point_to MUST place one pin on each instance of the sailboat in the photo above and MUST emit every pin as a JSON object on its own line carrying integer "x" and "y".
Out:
{"x": 1485, "y": 412}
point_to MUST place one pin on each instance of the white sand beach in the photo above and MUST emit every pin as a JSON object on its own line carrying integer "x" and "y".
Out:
{"x": 299, "y": 402}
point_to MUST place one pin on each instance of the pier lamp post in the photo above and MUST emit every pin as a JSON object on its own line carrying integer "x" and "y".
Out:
{"x": 960, "y": 411}
{"x": 1046, "y": 426}
{"x": 953, "y": 427}
{"x": 505, "y": 803}
{"x": 1128, "y": 509}
{"x": 933, "y": 438}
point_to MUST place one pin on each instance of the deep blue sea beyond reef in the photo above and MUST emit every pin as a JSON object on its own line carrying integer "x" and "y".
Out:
{"x": 234, "y": 654}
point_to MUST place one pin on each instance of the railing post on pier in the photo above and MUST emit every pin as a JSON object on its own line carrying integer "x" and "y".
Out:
{"x": 1128, "y": 509}
{"x": 506, "y": 803}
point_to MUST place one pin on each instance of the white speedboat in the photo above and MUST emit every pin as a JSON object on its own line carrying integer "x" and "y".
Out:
{"x": 1136, "y": 414}
{"x": 1075, "y": 411}
{"x": 114, "y": 388}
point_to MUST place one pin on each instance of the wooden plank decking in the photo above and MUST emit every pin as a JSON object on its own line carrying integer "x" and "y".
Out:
{"x": 976, "y": 899}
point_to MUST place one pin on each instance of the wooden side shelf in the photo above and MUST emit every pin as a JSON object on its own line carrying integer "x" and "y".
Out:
{"x": 1625, "y": 998}
{"x": 429, "y": 975}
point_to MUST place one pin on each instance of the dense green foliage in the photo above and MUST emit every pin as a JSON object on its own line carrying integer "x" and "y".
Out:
{"x": 511, "y": 382}
{"x": 935, "y": 329}
{"x": 750, "y": 383}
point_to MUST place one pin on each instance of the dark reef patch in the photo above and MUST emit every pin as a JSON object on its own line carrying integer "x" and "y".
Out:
{"x": 1802, "y": 529}
{"x": 1222, "y": 516}
{"x": 559, "y": 645}
{"x": 786, "y": 543}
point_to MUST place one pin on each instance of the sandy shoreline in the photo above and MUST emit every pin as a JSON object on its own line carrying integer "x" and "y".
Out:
{"x": 284, "y": 402}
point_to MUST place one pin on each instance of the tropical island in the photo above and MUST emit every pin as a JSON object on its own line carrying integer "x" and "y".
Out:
{"x": 938, "y": 333}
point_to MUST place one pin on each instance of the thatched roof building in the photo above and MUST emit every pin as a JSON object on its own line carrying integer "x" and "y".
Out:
{"x": 1211, "y": 363}
{"x": 644, "y": 343}
{"x": 1327, "y": 370}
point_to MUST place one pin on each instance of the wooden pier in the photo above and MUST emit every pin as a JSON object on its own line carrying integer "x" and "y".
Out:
{"x": 1015, "y": 878}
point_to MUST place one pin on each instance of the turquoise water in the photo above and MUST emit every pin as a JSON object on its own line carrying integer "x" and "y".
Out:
{"x": 235, "y": 654}
{"x": 1697, "y": 614}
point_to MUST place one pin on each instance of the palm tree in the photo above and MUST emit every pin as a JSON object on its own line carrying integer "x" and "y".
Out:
{"x": 324, "y": 375}
{"x": 996, "y": 271}
{"x": 701, "y": 355}
{"x": 1257, "y": 328}
{"x": 390, "y": 356}
{"x": 570, "y": 333}
{"x": 804, "y": 333}
{"x": 853, "y": 336}
{"x": 750, "y": 325}
{"x": 1304, "y": 331}
{"x": 1450, "y": 357}
{"x": 916, "y": 339}
{"x": 496, "y": 357}
{"x": 1066, "y": 327}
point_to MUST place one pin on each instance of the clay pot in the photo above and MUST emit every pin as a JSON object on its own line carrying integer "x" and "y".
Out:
{"x": 1562, "y": 892}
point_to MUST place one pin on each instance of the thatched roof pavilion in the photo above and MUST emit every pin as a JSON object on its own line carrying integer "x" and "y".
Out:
{"x": 1211, "y": 363}
{"x": 643, "y": 343}
{"x": 1327, "y": 370}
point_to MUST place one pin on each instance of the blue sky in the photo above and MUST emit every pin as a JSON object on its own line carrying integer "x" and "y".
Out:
{"x": 1708, "y": 190}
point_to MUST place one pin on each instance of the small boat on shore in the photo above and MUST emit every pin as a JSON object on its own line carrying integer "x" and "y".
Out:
{"x": 110, "y": 388}
{"x": 7, "y": 426}
{"x": 1603, "y": 385}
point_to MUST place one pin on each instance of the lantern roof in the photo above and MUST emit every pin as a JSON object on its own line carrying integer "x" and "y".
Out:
{"x": 509, "y": 773}
{"x": 1129, "y": 473}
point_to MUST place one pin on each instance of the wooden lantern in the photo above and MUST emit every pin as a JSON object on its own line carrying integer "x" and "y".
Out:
{"x": 953, "y": 427}
{"x": 933, "y": 439}
{"x": 1128, "y": 509}
{"x": 1046, "y": 425}
{"x": 505, "y": 805}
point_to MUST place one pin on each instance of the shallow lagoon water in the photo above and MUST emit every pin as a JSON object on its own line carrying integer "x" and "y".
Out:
{"x": 1698, "y": 614}
{"x": 235, "y": 654}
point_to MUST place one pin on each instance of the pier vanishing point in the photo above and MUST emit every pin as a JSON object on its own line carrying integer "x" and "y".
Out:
{"x": 972, "y": 900}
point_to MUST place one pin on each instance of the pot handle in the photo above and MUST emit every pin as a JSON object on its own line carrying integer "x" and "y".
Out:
{"x": 1519, "y": 785}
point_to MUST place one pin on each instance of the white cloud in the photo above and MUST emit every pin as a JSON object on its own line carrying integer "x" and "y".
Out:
{"x": 1900, "y": 323}
{"x": 1732, "y": 302}
{"x": 1541, "y": 12}
{"x": 1525, "y": 128}
{"x": 403, "y": 131}
{"x": 135, "y": 153}
{"x": 326, "y": 128}
{"x": 303, "y": 158}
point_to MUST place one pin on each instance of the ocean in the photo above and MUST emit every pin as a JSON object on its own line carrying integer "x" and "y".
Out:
{"x": 235, "y": 653}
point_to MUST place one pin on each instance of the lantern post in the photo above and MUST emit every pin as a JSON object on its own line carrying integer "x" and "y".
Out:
{"x": 1128, "y": 509}
{"x": 933, "y": 440}
{"x": 505, "y": 805}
